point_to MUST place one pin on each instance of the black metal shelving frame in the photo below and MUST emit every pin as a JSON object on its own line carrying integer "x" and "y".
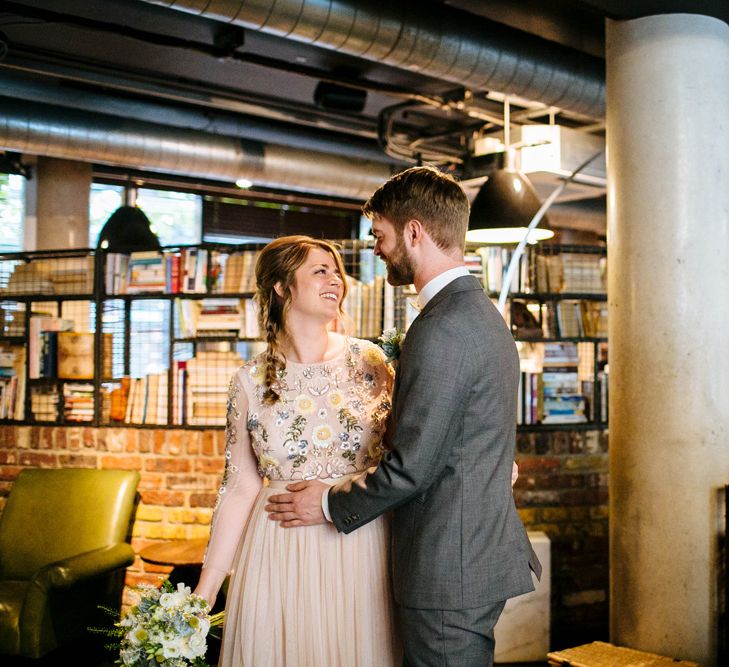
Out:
{"x": 348, "y": 248}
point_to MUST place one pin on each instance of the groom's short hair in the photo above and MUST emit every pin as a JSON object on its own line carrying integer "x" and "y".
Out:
{"x": 426, "y": 194}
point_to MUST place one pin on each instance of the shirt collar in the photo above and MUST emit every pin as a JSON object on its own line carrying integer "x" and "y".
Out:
{"x": 438, "y": 283}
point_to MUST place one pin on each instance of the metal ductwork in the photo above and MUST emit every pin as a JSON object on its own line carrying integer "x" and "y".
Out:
{"x": 64, "y": 133}
{"x": 476, "y": 53}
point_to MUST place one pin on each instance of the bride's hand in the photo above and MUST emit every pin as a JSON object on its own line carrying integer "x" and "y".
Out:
{"x": 514, "y": 473}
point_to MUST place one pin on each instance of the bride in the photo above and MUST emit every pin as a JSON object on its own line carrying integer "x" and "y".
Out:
{"x": 312, "y": 406}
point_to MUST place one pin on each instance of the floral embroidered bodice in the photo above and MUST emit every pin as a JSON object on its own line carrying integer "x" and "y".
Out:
{"x": 330, "y": 419}
{"x": 329, "y": 422}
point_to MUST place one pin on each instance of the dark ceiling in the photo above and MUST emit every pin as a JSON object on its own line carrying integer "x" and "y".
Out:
{"x": 136, "y": 59}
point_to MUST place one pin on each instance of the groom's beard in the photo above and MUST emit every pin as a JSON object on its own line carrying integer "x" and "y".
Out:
{"x": 400, "y": 269}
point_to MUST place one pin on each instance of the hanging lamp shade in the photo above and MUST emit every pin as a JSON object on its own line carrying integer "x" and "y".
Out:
{"x": 127, "y": 229}
{"x": 503, "y": 209}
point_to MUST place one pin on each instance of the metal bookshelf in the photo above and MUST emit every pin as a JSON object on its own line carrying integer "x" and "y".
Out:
{"x": 139, "y": 339}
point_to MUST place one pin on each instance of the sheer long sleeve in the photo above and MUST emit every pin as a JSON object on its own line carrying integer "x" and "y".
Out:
{"x": 239, "y": 487}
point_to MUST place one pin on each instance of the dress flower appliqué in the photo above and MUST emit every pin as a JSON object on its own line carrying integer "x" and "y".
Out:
{"x": 321, "y": 436}
{"x": 304, "y": 404}
{"x": 335, "y": 398}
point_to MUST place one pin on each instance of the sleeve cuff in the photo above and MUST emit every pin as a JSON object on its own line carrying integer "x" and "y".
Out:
{"x": 325, "y": 505}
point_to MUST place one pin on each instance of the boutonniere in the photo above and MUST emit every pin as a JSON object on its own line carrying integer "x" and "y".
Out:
{"x": 390, "y": 340}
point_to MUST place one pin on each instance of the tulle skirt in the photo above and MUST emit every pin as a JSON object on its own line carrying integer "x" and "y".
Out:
{"x": 309, "y": 597}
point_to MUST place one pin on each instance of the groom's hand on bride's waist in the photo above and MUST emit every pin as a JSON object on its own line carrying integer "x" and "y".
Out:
{"x": 301, "y": 507}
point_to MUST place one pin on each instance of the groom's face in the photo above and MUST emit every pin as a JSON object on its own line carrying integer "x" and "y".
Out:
{"x": 391, "y": 248}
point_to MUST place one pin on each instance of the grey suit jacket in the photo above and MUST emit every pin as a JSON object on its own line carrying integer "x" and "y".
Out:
{"x": 457, "y": 539}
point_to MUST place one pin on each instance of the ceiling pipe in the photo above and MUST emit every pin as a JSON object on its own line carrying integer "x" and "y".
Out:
{"x": 68, "y": 134}
{"x": 227, "y": 123}
{"x": 441, "y": 43}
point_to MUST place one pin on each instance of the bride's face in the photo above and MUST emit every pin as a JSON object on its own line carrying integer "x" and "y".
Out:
{"x": 317, "y": 289}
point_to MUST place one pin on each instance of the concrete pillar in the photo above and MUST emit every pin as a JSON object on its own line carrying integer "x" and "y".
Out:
{"x": 62, "y": 204}
{"x": 668, "y": 281}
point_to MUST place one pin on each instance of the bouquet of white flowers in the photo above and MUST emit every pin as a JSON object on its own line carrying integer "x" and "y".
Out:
{"x": 166, "y": 628}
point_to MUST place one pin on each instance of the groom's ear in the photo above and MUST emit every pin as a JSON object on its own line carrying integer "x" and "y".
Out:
{"x": 414, "y": 231}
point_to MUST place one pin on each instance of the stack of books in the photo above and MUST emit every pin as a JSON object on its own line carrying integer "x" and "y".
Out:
{"x": 571, "y": 272}
{"x": 528, "y": 399}
{"x": 146, "y": 272}
{"x": 496, "y": 261}
{"x": 72, "y": 275}
{"x": 153, "y": 271}
{"x": 193, "y": 271}
{"x": 12, "y": 382}
{"x": 147, "y": 400}
{"x": 59, "y": 275}
{"x": 238, "y": 273}
{"x": 364, "y": 306}
{"x": 561, "y": 399}
{"x": 579, "y": 318}
{"x": 116, "y": 273}
{"x": 29, "y": 278}
{"x": 569, "y": 318}
{"x": 44, "y": 404}
{"x": 475, "y": 264}
{"x": 218, "y": 317}
{"x": 42, "y": 347}
{"x": 207, "y": 379}
{"x": 583, "y": 272}
{"x": 531, "y": 358}
{"x": 594, "y": 318}
{"x": 78, "y": 402}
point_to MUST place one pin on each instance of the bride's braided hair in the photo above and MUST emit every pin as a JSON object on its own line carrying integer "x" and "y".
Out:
{"x": 276, "y": 265}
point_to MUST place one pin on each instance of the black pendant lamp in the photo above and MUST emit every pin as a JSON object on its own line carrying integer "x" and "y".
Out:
{"x": 503, "y": 209}
{"x": 507, "y": 203}
{"x": 127, "y": 229}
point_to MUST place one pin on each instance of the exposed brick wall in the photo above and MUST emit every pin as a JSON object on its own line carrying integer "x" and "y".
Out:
{"x": 180, "y": 473}
{"x": 562, "y": 490}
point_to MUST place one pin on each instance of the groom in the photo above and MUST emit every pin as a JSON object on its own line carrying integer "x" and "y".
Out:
{"x": 459, "y": 547}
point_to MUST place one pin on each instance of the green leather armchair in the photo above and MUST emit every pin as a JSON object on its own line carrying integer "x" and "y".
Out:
{"x": 64, "y": 549}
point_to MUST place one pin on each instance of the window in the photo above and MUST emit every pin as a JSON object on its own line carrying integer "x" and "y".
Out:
{"x": 231, "y": 220}
{"x": 104, "y": 200}
{"x": 176, "y": 217}
{"x": 11, "y": 212}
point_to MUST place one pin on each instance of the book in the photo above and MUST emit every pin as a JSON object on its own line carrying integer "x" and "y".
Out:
{"x": 118, "y": 400}
{"x": 75, "y": 355}
{"x": 49, "y": 354}
{"x": 38, "y": 324}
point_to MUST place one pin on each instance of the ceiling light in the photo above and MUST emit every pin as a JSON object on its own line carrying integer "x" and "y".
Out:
{"x": 503, "y": 209}
{"x": 244, "y": 183}
{"x": 126, "y": 230}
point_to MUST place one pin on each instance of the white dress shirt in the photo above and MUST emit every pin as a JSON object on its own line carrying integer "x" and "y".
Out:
{"x": 426, "y": 294}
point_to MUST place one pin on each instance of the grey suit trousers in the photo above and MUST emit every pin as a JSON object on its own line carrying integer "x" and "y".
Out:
{"x": 449, "y": 638}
